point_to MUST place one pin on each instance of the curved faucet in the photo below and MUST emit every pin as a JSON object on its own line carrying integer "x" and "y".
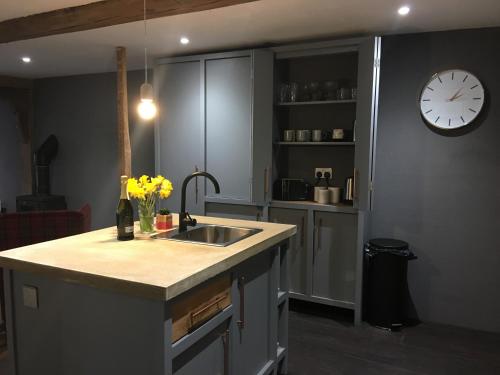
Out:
{"x": 184, "y": 218}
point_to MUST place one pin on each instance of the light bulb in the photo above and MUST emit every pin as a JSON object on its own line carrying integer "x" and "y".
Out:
{"x": 146, "y": 109}
{"x": 404, "y": 10}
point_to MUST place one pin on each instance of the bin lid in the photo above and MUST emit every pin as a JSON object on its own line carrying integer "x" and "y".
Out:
{"x": 388, "y": 244}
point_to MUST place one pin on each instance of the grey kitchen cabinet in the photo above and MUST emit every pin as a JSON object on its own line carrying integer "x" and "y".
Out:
{"x": 298, "y": 256}
{"x": 335, "y": 256}
{"x": 216, "y": 115}
{"x": 239, "y": 108}
{"x": 229, "y": 125}
{"x": 255, "y": 313}
{"x": 210, "y": 355}
{"x": 179, "y": 131}
{"x": 235, "y": 211}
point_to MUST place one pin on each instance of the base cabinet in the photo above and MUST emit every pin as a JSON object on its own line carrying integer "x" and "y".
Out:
{"x": 334, "y": 256}
{"x": 322, "y": 259}
{"x": 253, "y": 312}
{"x": 297, "y": 253}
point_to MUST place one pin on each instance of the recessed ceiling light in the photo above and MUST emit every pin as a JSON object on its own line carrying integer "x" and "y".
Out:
{"x": 404, "y": 10}
{"x": 184, "y": 40}
{"x": 26, "y": 59}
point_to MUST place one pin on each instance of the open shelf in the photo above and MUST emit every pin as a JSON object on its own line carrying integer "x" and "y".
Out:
{"x": 316, "y": 102}
{"x": 315, "y": 143}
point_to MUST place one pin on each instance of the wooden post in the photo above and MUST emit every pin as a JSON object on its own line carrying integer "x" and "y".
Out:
{"x": 124, "y": 151}
{"x": 19, "y": 92}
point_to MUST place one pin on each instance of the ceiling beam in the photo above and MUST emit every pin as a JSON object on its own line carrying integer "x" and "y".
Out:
{"x": 100, "y": 14}
{"x": 16, "y": 83}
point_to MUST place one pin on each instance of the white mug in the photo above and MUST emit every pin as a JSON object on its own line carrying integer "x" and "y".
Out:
{"x": 324, "y": 196}
{"x": 317, "y": 189}
{"x": 334, "y": 195}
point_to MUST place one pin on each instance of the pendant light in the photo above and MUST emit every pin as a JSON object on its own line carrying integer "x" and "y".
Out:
{"x": 147, "y": 106}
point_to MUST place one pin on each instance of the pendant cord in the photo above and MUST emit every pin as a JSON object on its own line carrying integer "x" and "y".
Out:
{"x": 145, "y": 46}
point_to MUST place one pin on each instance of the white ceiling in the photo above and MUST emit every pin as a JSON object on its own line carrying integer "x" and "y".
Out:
{"x": 253, "y": 24}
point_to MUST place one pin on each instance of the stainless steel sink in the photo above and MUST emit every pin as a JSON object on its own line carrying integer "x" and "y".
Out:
{"x": 214, "y": 235}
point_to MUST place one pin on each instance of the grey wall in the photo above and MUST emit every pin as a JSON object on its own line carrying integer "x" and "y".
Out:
{"x": 441, "y": 192}
{"x": 10, "y": 157}
{"x": 81, "y": 112}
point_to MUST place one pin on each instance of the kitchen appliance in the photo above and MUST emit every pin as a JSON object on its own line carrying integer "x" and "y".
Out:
{"x": 303, "y": 135}
{"x": 289, "y": 136}
{"x": 349, "y": 189}
{"x": 291, "y": 189}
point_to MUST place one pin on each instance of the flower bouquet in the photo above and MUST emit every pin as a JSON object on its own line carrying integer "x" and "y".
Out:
{"x": 147, "y": 190}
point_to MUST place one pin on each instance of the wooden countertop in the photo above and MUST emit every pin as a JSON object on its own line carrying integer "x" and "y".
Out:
{"x": 157, "y": 269}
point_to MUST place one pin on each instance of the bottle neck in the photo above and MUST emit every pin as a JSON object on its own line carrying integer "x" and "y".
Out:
{"x": 123, "y": 192}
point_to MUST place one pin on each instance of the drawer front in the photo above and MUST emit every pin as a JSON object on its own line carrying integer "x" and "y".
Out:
{"x": 196, "y": 307}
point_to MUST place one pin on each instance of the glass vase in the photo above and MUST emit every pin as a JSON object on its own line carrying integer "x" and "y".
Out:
{"x": 146, "y": 218}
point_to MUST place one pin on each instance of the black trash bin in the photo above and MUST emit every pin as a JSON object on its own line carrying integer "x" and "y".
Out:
{"x": 386, "y": 288}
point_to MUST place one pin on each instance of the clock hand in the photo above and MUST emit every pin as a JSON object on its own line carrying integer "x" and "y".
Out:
{"x": 455, "y": 95}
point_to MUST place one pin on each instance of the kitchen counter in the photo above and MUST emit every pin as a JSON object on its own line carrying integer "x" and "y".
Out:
{"x": 148, "y": 268}
{"x": 106, "y": 307}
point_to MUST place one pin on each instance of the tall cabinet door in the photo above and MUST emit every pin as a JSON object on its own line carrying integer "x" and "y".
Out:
{"x": 229, "y": 125}
{"x": 179, "y": 132}
{"x": 334, "y": 256}
{"x": 297, "y": 253}
{"x": 366, "y": 120}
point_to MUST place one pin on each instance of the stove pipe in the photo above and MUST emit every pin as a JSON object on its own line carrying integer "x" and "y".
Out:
{"x": 41, "y": 161}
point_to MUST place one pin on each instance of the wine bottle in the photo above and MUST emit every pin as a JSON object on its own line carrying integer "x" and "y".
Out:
{"x": 124, "y": 214}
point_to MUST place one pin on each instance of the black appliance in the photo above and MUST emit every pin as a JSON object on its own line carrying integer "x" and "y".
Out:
{"x": 386, "y": 296}
{"x": 41, "y": 199}
{"x": 291, "y": 189}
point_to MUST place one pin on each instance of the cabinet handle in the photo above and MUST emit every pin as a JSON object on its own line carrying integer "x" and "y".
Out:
{"x": 241, "y": 288}
{"x": 318, "y": 239}
{"x": 225, "y": 343}
{"x": 302, "y": 225}
{"x": 197, "y": 317}
{"x": 320, "y": 224}
{"x": 196, "y": 185}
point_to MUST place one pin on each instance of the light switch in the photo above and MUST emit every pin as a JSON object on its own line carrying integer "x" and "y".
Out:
{"x": 30, "y": 296}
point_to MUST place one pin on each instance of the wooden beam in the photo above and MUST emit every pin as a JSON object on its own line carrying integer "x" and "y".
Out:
{"x": 100, "y": 14}
{"x": 124, "y": 151}
{"x": 16, "y": 83}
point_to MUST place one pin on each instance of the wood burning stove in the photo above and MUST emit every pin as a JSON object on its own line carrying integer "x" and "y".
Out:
{"x": 41, "y": 199}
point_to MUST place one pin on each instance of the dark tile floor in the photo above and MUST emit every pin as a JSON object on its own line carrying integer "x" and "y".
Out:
{"x": 323, "y": 341}
{"x": 320, "y": 345}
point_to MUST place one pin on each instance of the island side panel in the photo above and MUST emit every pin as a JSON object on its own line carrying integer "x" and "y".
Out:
{"x": 78, "y": 330}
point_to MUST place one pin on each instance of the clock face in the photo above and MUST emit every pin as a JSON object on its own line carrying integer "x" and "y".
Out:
{"x": 451, "y": 99}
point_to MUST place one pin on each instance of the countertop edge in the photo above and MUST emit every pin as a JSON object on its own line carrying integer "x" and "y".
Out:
{"x": 212, "y": 271}
{"x": 137, "y": 289}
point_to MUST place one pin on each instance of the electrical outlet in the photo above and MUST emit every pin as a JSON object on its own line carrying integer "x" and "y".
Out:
{"x": 30, "y": 296}
{"x": 323, "y": 171}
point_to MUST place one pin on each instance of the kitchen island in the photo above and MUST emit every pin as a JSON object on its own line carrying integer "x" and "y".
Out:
{"x": 89, "y": 304}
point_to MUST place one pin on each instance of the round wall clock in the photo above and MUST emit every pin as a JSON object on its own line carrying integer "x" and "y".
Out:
{"x": 451, "y": 99}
